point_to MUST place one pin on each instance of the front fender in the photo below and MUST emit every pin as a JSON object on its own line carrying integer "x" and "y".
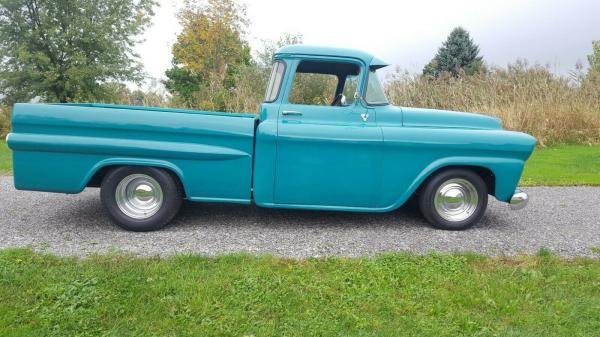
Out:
{"x": 507, "y": 172}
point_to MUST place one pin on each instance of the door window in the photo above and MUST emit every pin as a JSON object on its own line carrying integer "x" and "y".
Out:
{"x": 324, "y": 83}
{"x": 313, "y": 89}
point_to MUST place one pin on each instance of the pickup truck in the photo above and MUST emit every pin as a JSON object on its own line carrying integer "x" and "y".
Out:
{"x": 347, "y": 150}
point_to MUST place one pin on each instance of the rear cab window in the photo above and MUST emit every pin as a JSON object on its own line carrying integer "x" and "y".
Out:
{"x": 275, "y": 81}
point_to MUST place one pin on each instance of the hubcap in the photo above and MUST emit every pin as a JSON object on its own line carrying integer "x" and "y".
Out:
{"x": 456, "y": 200}
{"x": 139, "y": 196}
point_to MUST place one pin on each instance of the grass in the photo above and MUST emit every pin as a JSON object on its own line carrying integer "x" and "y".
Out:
{"x": 5, "y": 158}
{"x": 241, "y": 295}
{"x": 564, "y": 165}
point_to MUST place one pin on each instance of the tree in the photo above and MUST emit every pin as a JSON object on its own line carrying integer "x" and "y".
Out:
{"x": 458, "y": 53}
{"x": 594, "y": 57}
{"x": 209, "y": 53}
{"x": 270, "y": 47}
{"x": 64, "y": 50}
{"x": 594, "y": 60}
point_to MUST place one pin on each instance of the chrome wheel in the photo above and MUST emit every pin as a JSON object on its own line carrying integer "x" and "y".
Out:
{"x": 139, "y": 196}
{"x": 456, "y": 200}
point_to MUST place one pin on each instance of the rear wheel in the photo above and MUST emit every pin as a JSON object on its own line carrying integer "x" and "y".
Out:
{"x": 454, "y": 199}
{"x": 141, "y": 198}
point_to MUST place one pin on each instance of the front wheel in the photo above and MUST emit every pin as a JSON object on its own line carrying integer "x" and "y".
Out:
{"x": 141, "y": 199}
{"x": 455, "y": 199}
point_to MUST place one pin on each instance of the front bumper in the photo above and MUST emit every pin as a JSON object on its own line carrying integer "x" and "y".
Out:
{"x": 519, "y": 200}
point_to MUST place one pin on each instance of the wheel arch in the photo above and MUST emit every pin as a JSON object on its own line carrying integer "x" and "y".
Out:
{"x": 485, "y": 173}
{"x": 99, "y": 171}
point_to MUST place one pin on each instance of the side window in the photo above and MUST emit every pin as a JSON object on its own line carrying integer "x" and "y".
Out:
{"x": 324, "y": 83}
{"x": 313, "y": 89}
{"x": 275, "y": 81}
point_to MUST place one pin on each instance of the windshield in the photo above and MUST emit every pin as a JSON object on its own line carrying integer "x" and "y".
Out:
{"x": 375, "y": 94}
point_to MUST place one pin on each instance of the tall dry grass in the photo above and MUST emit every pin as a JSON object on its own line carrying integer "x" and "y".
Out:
{"x": 527, "y": 98}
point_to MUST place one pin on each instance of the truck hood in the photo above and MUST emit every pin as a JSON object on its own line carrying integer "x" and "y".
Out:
{"x": 416, "y": 117}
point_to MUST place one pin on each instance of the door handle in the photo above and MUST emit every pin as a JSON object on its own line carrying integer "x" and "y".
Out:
{"x": 291, "y": 113}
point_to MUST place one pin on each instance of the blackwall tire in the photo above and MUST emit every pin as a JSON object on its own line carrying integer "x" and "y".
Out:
{"x": 454, "y": 199}
{"x": 141, "y": 199}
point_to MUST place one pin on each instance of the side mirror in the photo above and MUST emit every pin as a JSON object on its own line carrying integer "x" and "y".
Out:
{"x": 359, "y": 98}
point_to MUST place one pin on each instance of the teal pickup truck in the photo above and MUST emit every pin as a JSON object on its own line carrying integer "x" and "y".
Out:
{"x": 349, "y": 151}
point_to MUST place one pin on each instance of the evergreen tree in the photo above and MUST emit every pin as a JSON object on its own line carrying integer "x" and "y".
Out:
{"x": 594, "y": 57}
{"x": 458, "y": 53}
{"x": 593, "y": 75}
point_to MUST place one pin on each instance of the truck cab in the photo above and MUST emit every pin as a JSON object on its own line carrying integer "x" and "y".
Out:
{"x": 318, "y": 144}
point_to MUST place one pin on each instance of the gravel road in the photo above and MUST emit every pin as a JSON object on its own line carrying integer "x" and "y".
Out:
{"x": 565, "y": 220}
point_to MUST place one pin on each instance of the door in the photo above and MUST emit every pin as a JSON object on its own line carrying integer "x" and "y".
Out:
{"x": 328, "y": 151}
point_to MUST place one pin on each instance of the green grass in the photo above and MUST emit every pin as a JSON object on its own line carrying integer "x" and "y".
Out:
{"x": 241, "y": 295}
{"x": 5, "y": 158}
{"x": 564, "y": 165}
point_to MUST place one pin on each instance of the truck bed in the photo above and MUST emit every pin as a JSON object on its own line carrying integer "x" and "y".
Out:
{"x": 66, "y": 147}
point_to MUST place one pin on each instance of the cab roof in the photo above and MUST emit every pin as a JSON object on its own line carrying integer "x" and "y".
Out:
{"x": 301, "y": 49}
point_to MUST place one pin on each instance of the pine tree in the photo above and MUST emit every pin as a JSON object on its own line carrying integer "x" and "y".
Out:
{"x": 458, "y": 53}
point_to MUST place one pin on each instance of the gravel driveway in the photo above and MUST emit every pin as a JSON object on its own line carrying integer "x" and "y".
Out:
{"x": 565, "y": 220}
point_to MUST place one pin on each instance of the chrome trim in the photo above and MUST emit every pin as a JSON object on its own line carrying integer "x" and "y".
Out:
{"x": 291, "y": 113}
{"x": 139, "y": 196}
{"x": 456, "y": 200}
{"x": 519, "y": 200}
{"x": 6, "y": 139}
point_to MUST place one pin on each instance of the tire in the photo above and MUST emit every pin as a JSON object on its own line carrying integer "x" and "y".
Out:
{"x": 462, "y": 198}
{"x": 141, "y": 199}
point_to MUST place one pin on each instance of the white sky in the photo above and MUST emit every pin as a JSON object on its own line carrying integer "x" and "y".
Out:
{"x": 408, "y": 33}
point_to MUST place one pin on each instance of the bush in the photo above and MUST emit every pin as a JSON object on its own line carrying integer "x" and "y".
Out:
{"x": 527, "y": 98}
{"x": 4, "y": 121}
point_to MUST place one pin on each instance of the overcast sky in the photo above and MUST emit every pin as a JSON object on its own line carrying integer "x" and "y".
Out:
{"x": 408, "y": 33}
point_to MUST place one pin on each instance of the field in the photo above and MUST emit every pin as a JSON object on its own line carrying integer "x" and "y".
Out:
{"x": 563, "y": 165}
{"x": 242, "y": 295}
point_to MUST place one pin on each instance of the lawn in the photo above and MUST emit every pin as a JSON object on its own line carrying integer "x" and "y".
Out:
{"x": 5, "y": 159}
{"x": 242, "y": 295}
{"x": 562, "y": 165}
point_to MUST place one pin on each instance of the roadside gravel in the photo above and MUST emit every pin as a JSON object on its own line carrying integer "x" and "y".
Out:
{"x": 565, "y": 220}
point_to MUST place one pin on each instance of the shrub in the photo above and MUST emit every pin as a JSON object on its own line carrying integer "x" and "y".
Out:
{"x": 4, "y": 121}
